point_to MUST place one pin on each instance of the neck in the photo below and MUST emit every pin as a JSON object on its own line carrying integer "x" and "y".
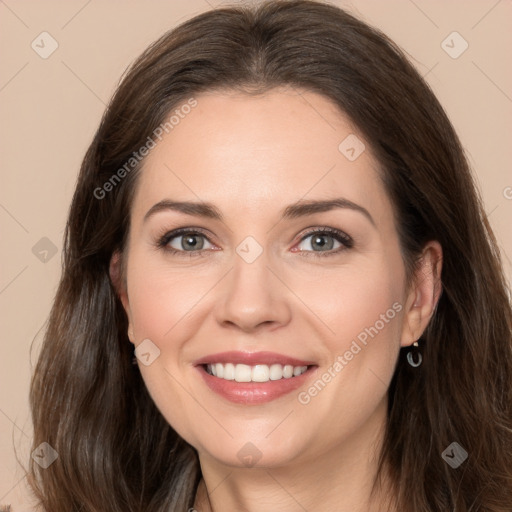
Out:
{"x": 340, "y": 479}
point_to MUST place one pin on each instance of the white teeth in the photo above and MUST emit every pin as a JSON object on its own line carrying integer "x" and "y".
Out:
{"x": 256, "y": 373}
{"x": 242, "y": 372}
{"x": 260, "y": 373}
{"x": 288, "y": 371}
{"x": 276, "y": 372}
{"x": 229, "y": 371}
{"x": 296, "y": 371}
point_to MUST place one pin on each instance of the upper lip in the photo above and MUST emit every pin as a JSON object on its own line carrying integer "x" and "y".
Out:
{"x": 252, "y": 359}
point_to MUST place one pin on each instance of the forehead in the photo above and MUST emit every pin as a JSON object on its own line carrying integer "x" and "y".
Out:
{"x": 260, "y": 152}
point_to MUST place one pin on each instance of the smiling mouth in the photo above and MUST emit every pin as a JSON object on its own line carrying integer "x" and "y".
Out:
{"x": 256, "y": 373}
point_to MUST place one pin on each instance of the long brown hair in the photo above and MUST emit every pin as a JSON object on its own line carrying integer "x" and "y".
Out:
{"x": 116, "y": 451}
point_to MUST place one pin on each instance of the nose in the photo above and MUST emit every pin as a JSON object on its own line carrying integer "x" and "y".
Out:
{"x": 252, "y": 297}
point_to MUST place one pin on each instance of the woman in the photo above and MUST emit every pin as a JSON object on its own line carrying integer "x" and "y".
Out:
{"x": 338, "y": 336}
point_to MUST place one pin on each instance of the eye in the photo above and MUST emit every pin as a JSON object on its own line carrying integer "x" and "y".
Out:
{"x": 184, "y": 240}
{"x": 189, "y": 242}
{"x": 327, "y": 241}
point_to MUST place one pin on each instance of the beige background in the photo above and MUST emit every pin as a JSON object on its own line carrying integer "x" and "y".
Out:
{"x": 50, "y": 109}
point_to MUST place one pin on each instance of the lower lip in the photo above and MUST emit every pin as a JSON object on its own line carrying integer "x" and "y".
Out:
{"x": 254, "y": 392}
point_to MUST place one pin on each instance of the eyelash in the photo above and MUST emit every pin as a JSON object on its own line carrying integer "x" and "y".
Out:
{"x": 344, "y": 239}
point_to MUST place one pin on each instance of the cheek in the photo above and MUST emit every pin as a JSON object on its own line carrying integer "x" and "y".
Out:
{"x": 162, "y": 297}
{"x": 362, "y": 311}
{"x": 163, "y": 304}
{"x": 353, "y": 300}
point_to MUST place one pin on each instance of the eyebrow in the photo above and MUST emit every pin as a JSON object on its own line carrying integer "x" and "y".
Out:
{"x": 292, "y": 211}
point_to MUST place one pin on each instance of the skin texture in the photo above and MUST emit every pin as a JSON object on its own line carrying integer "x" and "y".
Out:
{"x": 252, "y": 157}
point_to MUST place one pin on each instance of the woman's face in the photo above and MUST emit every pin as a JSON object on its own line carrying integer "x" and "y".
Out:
{"x": 288, "y": 263}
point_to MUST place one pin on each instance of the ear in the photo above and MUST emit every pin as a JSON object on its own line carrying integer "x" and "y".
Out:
{"x": 119, "y": 283}
{"x": 424, "y": 293}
